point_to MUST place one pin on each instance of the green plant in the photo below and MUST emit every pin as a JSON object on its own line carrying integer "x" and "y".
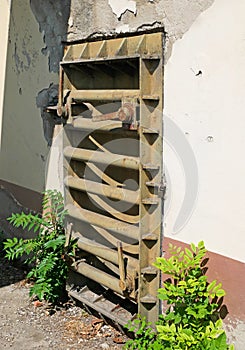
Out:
{"x": 145, "y": 337}
{"x": 46, "y": 253}
{"x": 191, "y": 319}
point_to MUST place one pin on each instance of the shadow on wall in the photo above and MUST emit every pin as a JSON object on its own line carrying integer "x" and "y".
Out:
{"x": 7, "y": 230}
{"x": 30, "y": 86}
{"x": 230, "y": 273}
{"x": 52, "y": 17}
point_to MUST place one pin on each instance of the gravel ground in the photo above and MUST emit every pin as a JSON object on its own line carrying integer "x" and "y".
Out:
{"x": 29, "y": 325}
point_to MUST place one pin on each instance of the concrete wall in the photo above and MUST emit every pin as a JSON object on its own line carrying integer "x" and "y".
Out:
{"x": 208, "y": 108}
{"x": 23, "y": 147}
{"x": 4, "y": 20}
{"x": 32, "y": 34}
{"x": 204, "y": 87}
{"x": 204, "y": 94}
{"x": 113, "y": 16}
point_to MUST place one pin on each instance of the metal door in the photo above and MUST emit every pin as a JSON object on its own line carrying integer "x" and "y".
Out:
{"x": 111, "y": 97}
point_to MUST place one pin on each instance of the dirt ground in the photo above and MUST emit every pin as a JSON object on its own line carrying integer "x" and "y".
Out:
{"x": 29, "y": 325}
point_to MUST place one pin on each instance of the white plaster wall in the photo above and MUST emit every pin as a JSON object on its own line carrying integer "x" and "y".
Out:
{"x": 210, "y": 104}
{"x": 4, "y": 27}
{"x": 54, "y": 177}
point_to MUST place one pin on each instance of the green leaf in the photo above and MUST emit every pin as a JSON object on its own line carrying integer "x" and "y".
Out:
{"x": 201, "y": 245}
{"x": 220, "y": 293}
{"x": 55, "y": 243}
{"x": 193, "y": 247}
{"x": 47, "y": 247}
{"x": 220, "y": 342}
{"x": 211, "y": 285}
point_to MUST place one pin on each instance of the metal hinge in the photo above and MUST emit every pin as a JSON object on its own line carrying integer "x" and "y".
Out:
{"x": 160, "y": 188}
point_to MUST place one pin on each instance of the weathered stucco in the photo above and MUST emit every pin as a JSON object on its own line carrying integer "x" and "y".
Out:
{"x": 23, "y": 147}
{"x": 204, "y": 89}
{"x": 52, "y": 17}
{"x": 119, "y": 8}
{"x": 4, "y": 20}
{"x": 106, "y": 17}
{"x": 36, "y": 32}
{"x": 208, "y": 108}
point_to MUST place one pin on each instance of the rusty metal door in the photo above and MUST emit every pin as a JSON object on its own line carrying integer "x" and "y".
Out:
{"x": 111, "y": 97}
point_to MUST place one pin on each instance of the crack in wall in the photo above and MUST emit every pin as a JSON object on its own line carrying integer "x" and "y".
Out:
{"x": 11, "y": 205}
{"x": 176, "y": 17}
{"x": 149, "y": 26}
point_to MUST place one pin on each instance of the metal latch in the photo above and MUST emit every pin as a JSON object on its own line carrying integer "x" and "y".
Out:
{"x": 162, "y": 188}
{"x": 126, "y": 114}
{"x": 159, "y": 188}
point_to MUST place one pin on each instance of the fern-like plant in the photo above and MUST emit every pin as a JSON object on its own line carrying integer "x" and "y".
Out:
{"x": 46, "y": 252}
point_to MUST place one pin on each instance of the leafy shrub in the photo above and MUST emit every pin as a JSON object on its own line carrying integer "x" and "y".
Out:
{"x": 192, "y": 318}
{"x": 145, "y": 336}
{"x": 47, "y": 252}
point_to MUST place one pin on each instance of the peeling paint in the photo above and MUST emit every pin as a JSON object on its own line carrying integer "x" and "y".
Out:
{"x": 52, "y": 17}
{"x": 22, "y": 55}
{"x": 122, "y": 29}
{"x": 114, "y": 16}
{"x": 48, "y": 97}
{"x": 120, "y": 7}
{"x": 149, "y": 26}
{"x": 22, "y": 59}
